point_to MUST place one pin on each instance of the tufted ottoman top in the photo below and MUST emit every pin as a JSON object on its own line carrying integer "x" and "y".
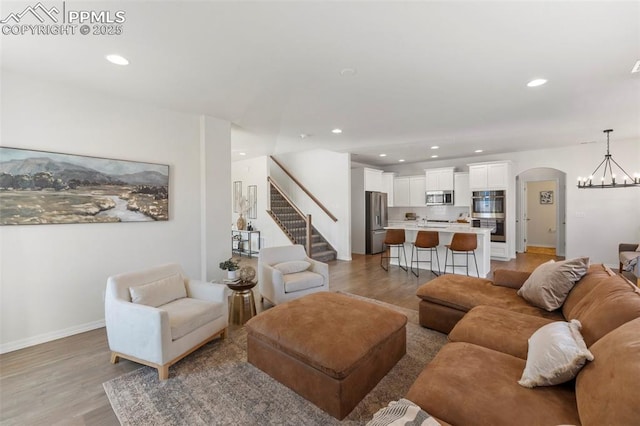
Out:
{"x": 330, "y": 332}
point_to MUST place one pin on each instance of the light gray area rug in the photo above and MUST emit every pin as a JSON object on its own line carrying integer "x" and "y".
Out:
{"x": 217, "y": 386}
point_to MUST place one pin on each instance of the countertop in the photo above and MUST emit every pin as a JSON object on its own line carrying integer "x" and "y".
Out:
{"x": 439, "y": 227}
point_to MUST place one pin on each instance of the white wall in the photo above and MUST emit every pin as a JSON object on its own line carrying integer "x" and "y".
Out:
{"x": 327, "y": 175}
{"x": 52, "y": 277}
{"x": 597, "y": 219}
{"x": 254, "y": 171}
{"x": 358, "y": 213}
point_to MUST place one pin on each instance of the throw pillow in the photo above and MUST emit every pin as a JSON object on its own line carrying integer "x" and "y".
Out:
{"x": 549, "y": 284}
{"x": 556, "y": 354}
{"x": 292, "y": 266}
{"x": 159, "y": 292}
{"x": 401, "y": 413}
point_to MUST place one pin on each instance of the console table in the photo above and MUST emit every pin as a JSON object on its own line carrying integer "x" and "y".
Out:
{"x": 243, "y": 242}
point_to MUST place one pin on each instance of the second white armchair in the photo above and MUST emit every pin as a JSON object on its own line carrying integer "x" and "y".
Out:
{"x": 286, "y": 273}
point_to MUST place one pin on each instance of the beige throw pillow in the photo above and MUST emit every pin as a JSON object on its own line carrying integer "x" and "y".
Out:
{"x": 556, "y": 354}
{"x": 159, "y": 292}
{"x": 549, "y": 284}
{"x": 292, "y": 266}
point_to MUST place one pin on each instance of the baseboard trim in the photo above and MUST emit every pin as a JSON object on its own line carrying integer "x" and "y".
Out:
{"x": 48, "y": 337}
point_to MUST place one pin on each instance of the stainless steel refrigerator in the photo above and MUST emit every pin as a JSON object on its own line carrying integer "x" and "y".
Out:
{"x": 375, "y": 220}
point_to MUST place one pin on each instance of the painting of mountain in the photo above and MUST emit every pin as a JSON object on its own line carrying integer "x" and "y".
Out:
{"x": 38, "y": 187}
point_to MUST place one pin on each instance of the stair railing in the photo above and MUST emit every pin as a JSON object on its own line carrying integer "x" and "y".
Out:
{"x": 296, "y": 234}
{"x": 306, "y": 191}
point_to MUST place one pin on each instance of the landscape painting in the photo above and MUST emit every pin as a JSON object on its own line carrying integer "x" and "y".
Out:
{"x": 38, "y": 187}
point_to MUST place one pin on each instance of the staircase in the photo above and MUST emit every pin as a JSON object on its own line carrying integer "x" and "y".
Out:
{"x": 294, "y": 226}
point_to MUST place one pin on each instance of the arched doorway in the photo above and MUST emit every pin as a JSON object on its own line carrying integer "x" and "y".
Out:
{"x": 541, "y": 209}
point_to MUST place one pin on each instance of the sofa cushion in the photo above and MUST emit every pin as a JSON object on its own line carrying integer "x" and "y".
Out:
{"x": 466, "y": 384}
{"x": 550, "y": 283}
{"x": 187, "y": 314}
{"x": 612, "y": 303}
{"x": 556, "y": 354}
{"x": 159, "y": 292}
{"x": 498, "y": 329}
{"x": 594, "y": 276}
{"x": 607, "y": 388}
{"x": 292, "y": 266}
{"x": 302, "y": 281}
{"x": 464, "y": 293}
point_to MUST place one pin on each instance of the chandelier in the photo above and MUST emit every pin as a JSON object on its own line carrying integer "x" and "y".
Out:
{"x": 608, "y": 180}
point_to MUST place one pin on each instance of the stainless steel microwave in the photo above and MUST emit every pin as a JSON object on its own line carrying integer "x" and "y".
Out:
{"x": 436, "y": 198}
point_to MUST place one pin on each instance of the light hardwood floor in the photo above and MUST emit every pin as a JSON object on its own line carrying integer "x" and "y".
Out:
{"x": 60, "y": 382}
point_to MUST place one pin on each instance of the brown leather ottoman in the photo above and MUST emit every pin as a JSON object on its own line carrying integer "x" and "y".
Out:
{"x": 330, "y": 348}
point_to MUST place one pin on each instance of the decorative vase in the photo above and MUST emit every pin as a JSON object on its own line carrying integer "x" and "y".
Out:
{"x": 241, "y": 223}
{"x": 231, "y": 275}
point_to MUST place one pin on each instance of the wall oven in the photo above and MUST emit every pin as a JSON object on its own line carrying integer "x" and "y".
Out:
{"x": 488, "y": 211}
{"x": 488, "y": 204}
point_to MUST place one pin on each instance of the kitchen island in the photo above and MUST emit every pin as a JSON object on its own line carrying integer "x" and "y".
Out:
{"x": 445, "y": 233}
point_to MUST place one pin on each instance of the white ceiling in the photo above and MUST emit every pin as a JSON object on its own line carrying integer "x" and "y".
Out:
{"x": 451, "y": 74}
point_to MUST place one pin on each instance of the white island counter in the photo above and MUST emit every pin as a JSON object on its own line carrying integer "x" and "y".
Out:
{"x": 445, "y": 233}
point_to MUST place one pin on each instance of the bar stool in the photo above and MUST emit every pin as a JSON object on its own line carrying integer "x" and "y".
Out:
{"x": 425, "y": 241}
{"x": 394, "y": 238}
{"x": 462, "y": 243}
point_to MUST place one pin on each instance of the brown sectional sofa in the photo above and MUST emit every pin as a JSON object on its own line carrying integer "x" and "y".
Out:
{"x": 474, "y": 378}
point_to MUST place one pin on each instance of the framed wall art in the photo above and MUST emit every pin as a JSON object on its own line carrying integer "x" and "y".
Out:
{"x": 41, "y": 187}
{"x": 546, "y": 197}
{"x": 252, "y": 197}
{"x": 237, "y": 195}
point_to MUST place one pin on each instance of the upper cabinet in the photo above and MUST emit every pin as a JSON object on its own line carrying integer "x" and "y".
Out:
{"x": 373, "y": 180}
{"x": 439, "y": 179}
{"x": 387, "y": 186}
{"x": 409, "y": 191}
{"x": 461, "y": 191}
{"x": 417, "y": 195}
{"x": 489, "y": 175}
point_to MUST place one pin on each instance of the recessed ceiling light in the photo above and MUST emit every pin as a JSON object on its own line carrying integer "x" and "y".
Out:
{"x": 243, "y": 153}
{"x": 477, "y": 151}
{"x": 303, "y": 135}
{"x": 636, "y": 68}
{"x": 401, "y": 160}
{"x": 383, "y": 155}
{"x": 537, "y": 82}
{"x": 117, "y": 59}
{"x": 434, "y": 156}
{"x": 348, "y": 72}
{"x": 435, "y": 147}
{"x": 336, "y": 131}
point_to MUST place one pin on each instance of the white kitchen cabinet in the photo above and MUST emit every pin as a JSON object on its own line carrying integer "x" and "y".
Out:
{"x": 499, "y": 251}
{"x": 388, "y": 187}
{"x": 439, "y": 179}
{"x": 417, "y": 195}
{"x": 372, "y": 180}
{"x": 461, "y": 191}
{"x": 401, "y": 196}
{"x": 409, "y": 191}
{"x": 489, "y": 175}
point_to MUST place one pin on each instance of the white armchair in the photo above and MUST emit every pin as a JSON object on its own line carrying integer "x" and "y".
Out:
{"x": 158, "y": 316}
{"x": 286, "y": 273}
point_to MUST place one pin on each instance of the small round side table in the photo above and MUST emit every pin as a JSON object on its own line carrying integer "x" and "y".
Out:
{"x": 243, "y": 305}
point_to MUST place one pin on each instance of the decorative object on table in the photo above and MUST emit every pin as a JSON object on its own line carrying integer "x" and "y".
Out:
{"x": 243, "y": 207}
{"x": 237, "y": 194}
{"x": 40, "y": 187}
{"x": 247, "y": 273}
{"x": 546, "y": 197}
{"x": 231, "y": 266}
{"x": 624, "y": 178}
{"x": 252, "y": 198}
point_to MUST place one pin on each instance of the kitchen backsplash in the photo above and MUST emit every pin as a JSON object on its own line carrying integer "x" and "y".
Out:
{"x": 430, "y": 212}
